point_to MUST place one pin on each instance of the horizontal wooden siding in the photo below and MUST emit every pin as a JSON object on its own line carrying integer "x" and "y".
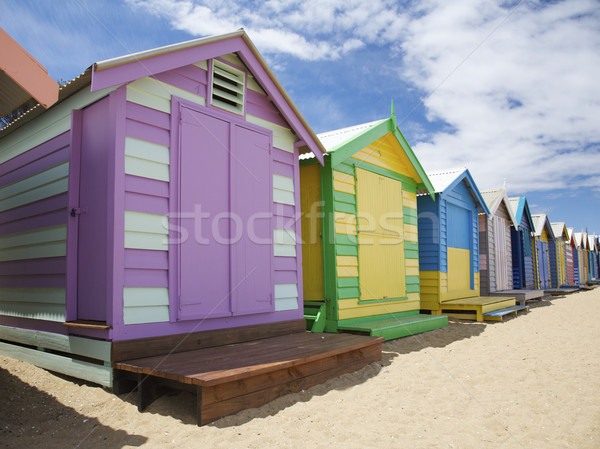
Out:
{"x": 147, "y": 158}
{"x": 33, "y": 231}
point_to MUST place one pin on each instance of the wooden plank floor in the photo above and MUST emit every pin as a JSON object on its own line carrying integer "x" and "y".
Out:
{"x": 478, "y": 300}
{"x": 521, "y": 296}
{"x": 244, "y": 375}
{"x": 475, "y": 308}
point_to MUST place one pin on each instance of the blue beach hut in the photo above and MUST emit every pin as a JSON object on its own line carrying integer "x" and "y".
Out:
{"x": 449, "y": 249}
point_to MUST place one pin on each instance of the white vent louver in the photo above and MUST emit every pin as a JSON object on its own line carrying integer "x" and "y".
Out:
{"x": 227, "y": 89}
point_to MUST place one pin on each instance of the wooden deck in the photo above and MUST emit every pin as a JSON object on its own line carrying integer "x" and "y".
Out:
{"x": 238, "y": 376}
{"x": 475, "y": 308}
{"x": 562, "y": 291}
{"x": 521, "y": 296}
{"x": 392, "y": 326}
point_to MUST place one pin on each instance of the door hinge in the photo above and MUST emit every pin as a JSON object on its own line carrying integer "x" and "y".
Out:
{"x": 78, "y": 211}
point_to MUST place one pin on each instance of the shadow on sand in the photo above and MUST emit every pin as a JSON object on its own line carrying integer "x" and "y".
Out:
{"x": 182, "y": 405}
{"x": 542, "y": 302}
{"x": 457, "y": 330}
{"x": 32, "y": 418}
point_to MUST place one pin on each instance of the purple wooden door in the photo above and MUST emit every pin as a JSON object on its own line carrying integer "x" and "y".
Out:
{"x": 251, "y": 254}
{"x": 225, "y": 180}
{"x": 92, "y": 288}
{"x": 204, "y": 196}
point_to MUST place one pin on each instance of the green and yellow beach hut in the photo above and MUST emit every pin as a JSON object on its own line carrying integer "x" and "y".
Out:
{"x": 359, "y": 230}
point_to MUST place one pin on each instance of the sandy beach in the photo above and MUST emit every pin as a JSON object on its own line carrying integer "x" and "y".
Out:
{"x": 529, "y": 382}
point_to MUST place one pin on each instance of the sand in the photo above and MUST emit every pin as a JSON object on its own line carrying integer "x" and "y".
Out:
{"x": 529, "y": 382}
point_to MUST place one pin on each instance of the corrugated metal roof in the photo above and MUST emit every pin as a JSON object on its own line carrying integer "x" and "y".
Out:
{"x": 494, "y": 197}
{"x": 332, "y": 139}
{"x": 539, "y": 221}
{"x": 336, "y": 137}
{"x": 580, "y": 241}
{"x": 558, "y": 227}
{"x": 145, "y": 54}
{"x": 443, "y": 178}
{"x": 514, "y": 203}
{"x": 592, "y": 241}
{"x": 571, "y": 233}
{"x": 309, "y": 138}
{"x": 85, "y": 79}
{"x": 71, "y": 88}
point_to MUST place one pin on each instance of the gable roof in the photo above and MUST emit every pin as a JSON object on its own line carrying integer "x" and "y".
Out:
{"x": 22, "y": 78}
{"x": 540, "y": 222}
{"x": 494, "y": 198}
{"x": 581, "y": 240}
{"x": 515, "y": 203}
{"x": 572, "y": 239}
{"x": 124, "y": 69}
{"x": 445, "y": 180}
{"x": 442, "y": 179}
{"x": 332, "y": 139}
{"x": 592, "y": 242}
{"x": 128, "y": 68}
{"x": 343, "y": 143}
{"x": 519, "y": 207}
{"x": 571, "y": 234}
{"x": 560, "y": 229}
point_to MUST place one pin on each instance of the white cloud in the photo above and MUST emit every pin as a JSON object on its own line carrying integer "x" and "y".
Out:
{"x": 214, "y": 18}
{"x": 310, "y": 30}
{"x": 518, "y": 87}
{"x": 526, "y": 94}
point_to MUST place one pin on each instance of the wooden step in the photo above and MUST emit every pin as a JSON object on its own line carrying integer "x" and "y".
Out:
{"x": 497, "y": 315}
{"x": 475, "y": 308}
{"x": 521, "y": 296}
{"x": 245, "y": 375}
{"x": 392, "y": 326}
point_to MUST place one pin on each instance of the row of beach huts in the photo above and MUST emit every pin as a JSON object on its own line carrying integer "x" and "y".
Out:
{"x": 173, "y": 220}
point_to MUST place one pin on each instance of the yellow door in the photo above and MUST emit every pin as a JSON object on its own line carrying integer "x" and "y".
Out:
{"x": 380, "y": 236}
{"x": 459, "y": 269}
{"x": 312, "y": 244}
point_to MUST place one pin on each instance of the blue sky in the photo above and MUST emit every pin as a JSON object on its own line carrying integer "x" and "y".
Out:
{"x": 509, "y": 89}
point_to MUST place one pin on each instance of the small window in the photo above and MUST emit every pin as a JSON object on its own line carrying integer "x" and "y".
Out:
{"x": 227, "y": 88}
